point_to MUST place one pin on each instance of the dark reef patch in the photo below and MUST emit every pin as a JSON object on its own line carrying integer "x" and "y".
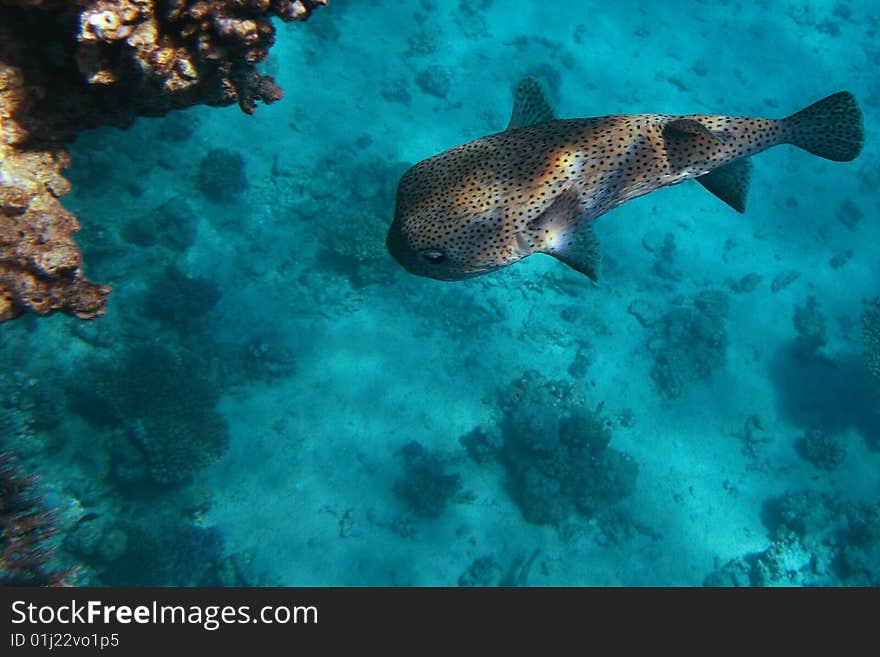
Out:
{"x": 831, "y": 395}
{"x": 173, "y": 224}
{"x": 688, "y": 343}
{"x": 817, "y": 540}
{"x": 556, "y": 452}
{"x": 163, "y": 402}
{"x": 221, "y": 177}
{"x": 425, "y": 487}
{"x": 178, "y": 300}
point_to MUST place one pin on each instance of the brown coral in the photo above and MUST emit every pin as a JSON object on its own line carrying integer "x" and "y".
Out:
{"x": 27, "y": 530}
{"x": 39, "y": 261}
{"x": 67, "y": 66}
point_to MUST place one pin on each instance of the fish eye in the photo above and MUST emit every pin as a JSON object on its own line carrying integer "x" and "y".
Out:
{"x": 434, "y": 256}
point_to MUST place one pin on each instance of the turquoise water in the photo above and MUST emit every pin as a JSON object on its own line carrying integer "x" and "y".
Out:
{"x": 272, "y": 399}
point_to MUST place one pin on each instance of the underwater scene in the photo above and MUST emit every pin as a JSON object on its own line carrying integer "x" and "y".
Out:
{"x": 538, "y": 359}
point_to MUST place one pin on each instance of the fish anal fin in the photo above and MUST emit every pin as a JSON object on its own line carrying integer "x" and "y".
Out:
{"x": 582, "y": 252}
{"x": 563, "y": 232}
{"x": 730, "y": 183}
{"x": 529, "y": 105}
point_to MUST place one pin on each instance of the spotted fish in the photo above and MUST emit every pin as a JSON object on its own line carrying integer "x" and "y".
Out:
{"x": 537, "y": 186}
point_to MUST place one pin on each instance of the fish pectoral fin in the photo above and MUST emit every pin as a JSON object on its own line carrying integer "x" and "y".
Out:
{"x": 580, "y": 250}
{"x": 687, "y": 141}
{"x": 730, "y": 183}
{"x": 563, "y": 212}
{"x": 529, "y": 105}
{"x": 563, "y": 232}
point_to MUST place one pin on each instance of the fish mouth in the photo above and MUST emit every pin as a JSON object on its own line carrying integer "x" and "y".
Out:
{"x": 397, "y": 244}
{"x": 399, "y": 248}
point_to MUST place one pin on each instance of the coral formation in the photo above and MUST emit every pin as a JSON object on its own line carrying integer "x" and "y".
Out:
{"x": 30, "y": 408}
{"x": 688, "y": 344}
{"x": 783, "y": 279}
{"x": 264, "y": 357}
{"x": 154, "y": 545}
{"x": 817, "y": 540}
{"x": 747, "y": 283}
{"x": 485, "y": 571}
{"x": 165, "y": 406}
{"x": 871, "y": 335}
{"x": 435, "y": 81}
{"x": 481, "y": 572}
{"x": 425, "y": 486}
{"x": 809, "y": 322}
{"x": 824, "y": 450}
{"x": 221, "y": 176}
{"x": 556, "y": 452}
{"x": 27, "y": 530}
{"x": 481, "y": 446}
{"x": 352, "y": 246}
{"x": 66, "y": 67}
{"x": 172, "y": 224}
{"x": 178, "y": 300}
{"x": 664, "y": 257}
{"x": 168, "y": 553}
{"x": 39, "y": 261}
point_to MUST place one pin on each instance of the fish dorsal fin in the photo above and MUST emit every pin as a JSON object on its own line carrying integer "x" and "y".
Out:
{"x": 563, "y": 232}
{"x": 529, "y": 105}
{"x": 688, "y": 140}
{"x": 730, "y": 183}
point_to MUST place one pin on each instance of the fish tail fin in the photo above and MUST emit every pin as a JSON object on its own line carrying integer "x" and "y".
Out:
{"x": 831, "y": 128}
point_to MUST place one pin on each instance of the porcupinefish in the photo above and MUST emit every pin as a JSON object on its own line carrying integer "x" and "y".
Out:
{"x": 537, "y": 186}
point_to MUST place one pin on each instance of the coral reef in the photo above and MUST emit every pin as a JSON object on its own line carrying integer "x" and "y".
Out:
{"x": 871, "y": 335}
{"x": 481, "y": 446}
{"x": 172, "y": 224}
{"x": 264, "y": 357}
{"x": 39, "y": 261}
{"x": 824, "y": 450}
{"x": 664, "y": 256}
{"x": 425, "y": 486}
{"x": 30, "y": 408}
{"x": 118, "y": 59}
{"x": 809, "y": 322}
{"x": 783, "y": 279}
{"x": 221, "y": 176}
{"x": 481, "y": 572}
{"x": 485, "y": 571}
{"x": 165, "y": 406}
{"x": 66, "y": 67}
{"x": 27, "y": 530}
{"x": 519, "y": 569}
{"x": 155, "y": 544}
{"x": 435, "y": 81}
{"x": 178, "y": 300}
{"x": 168, "y": 553}
{"x": 352, "y": 246}
{"x": 556, "y": 453}
{"x": 688, "y": 344}
{"x": 97, "y": 539}
{"x": 817, "y": 540}
{"x": 746, "y": 284}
